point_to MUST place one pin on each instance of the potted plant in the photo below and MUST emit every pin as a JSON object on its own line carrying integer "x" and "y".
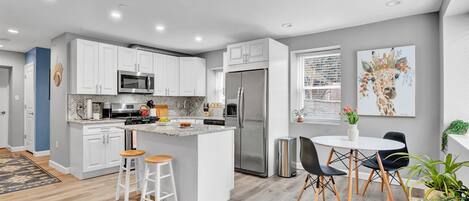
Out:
{"x": 351, "y": 116}
{"x": 439, "y": 176}
{"x": 299, "y": 115}
{"x": 457, "y": 127}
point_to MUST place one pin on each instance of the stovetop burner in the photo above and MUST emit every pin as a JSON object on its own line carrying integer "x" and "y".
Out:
{"x": 138, "y": 120}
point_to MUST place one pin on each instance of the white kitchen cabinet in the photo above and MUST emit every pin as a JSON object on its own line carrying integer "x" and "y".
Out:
{"x": 192, "y": 76}
{"x": 94, "y": 152}
{"x": 248, "y": 52}
{"x": 161, "y": 88}
{"x": 144, "y": 62}
{"x": 166, "y": 75}
{"x": 127, "y": 59}
{"x": 84, "y": 67}
{"x": 107, "y": 69}
{"x": 172, "y": 72}
{"x": 95, "y": 149}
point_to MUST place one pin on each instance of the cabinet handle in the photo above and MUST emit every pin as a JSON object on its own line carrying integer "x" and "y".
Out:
{"x": 104, "y": 141}
{"x": 107, "y": 139}
{"x": 97, "y": 89}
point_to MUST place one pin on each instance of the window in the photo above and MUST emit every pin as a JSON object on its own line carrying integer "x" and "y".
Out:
{"x": 220, "y": 86}
{"x": 319, "y": 85}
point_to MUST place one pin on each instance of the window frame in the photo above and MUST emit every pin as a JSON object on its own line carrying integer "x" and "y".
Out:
{"x": 297, "y": 81}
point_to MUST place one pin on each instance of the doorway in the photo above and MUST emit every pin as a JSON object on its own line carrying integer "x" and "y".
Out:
{"x": 4, "y": 106}
{"x": 29, "y": 107}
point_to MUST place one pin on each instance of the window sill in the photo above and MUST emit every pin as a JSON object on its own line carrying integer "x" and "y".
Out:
{"x": 318, "y": 122}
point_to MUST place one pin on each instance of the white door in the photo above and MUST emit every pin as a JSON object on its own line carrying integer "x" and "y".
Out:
{"x": 236, "y": 54}
{"x": 145, "y": 62}
{"x": 257, "y": 51}
{"x": 188, "y": 76}
{"x": 87, "y": 67}
{"x": 160, "y": 75}
{"x": 200, "y": 82}
{"x": 127, "y": 59}
{"x": 94, "y": 152}
{"x": 29, "y": 109}
{"x": 4, "y": 91}
{"x": 107, "y": 69}
{"x": 172, "y": 69}
{"x": 115, "y": 145}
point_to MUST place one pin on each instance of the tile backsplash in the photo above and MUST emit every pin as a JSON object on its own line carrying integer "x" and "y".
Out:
{"x": 194, "y": 105}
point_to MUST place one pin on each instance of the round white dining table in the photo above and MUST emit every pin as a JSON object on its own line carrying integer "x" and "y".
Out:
{"x": 361, "y": 144}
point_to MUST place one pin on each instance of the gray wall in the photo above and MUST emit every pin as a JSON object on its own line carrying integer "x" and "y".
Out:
{"x": 213, "y": 59}
{"x": 15, "y": 61}
{"x": 423, "y": 131}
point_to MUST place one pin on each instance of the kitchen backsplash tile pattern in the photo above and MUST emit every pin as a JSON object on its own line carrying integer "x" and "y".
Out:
{"x": 178, "y": 106}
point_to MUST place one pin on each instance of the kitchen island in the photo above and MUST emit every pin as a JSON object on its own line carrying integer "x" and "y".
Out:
{"x": 203, "y": 157}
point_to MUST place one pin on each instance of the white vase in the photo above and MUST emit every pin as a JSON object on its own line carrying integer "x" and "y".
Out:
{"x": 353, "y": 132}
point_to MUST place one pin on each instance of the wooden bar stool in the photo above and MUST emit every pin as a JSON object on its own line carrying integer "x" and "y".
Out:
{"x": 157, "y": 161}
{"x": 126, "y": 164}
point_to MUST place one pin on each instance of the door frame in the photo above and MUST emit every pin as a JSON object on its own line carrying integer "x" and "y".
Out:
{"x": 7, "y": 71}
{"x": 33, "y": 135}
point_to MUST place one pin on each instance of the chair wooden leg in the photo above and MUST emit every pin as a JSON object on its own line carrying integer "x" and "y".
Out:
{"x": 365, "y": 186}
{"x": 356, "y": 172}
{"x": 350, "y": 183}
{"x": 316, "y": 190}
{"x": 334, "y": 187}
{"x": 385, "y": 178}
{"x": 329, "y": 159}
{"x": 382, "y": 184}
{"x": 323, "y": 183}
{"x": 303, "y": 188}
{"x": 403, "y": 185}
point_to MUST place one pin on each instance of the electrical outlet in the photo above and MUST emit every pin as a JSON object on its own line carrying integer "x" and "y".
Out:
{"x": 56, "y": 144}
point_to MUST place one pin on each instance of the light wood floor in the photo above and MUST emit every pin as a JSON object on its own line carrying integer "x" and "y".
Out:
{"x": 247, "y": 188}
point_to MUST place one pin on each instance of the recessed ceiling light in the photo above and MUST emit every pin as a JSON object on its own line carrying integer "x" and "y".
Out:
{"x": 160, "y": 28}
{"x": 393, "y": 3}
{"x": 13, "y": 31}
{"x": 287, "y": 25}
{"x": 115, "y": 14}
{"x": 1, "y": 45}
{"x": 198, "y": 38}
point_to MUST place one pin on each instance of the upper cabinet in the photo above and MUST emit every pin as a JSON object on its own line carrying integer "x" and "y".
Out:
{"x": 127, "y": 59}
{"x": 248, "y": 52}
{"x": 192, "y": 76}
{"x": 166, "y": 75}
{"x": 144, "y": 62}
{"x": 93, "y": 68}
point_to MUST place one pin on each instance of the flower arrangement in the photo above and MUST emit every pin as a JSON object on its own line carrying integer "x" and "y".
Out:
{"x": 350, "y": 115}
{"x": 300, "y": 114}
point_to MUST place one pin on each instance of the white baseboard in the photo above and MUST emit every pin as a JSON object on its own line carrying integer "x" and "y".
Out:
{"x": 41, "y": 153}
{"x": 16, "y": 149}
{"x": 365, "y": 175}
{"x": 58, "y": 167}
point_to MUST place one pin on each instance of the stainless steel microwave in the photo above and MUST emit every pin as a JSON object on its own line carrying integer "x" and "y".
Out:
{"x": 135, "y": 82}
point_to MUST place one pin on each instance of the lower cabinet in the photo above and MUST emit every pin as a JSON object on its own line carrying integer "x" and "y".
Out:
{"x": 95, "y": 149}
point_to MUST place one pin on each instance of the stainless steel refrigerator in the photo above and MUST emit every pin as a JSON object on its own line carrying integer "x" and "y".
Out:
{"x": 246, "y": 103}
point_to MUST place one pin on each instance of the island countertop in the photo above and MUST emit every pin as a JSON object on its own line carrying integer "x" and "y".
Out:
{"x": 173, "y": 129}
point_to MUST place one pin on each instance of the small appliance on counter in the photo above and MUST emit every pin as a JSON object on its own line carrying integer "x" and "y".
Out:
{"x": 107, "y": 110}
{"x": 97, "y": 110}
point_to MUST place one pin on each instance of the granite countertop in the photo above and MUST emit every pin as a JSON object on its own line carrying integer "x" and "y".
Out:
{"x": 197, "y": 117}
{"x": 102, "y": 121}
{"x": 173, "y": 129}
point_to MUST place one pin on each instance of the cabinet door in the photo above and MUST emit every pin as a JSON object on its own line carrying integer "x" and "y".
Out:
{"x": 200, "y": 83}
{"x": 172, "y": 69}
{"x": 127, "y": 59}
{"x": 115, "y": 145}
{"x": 87, "y": 67}
{"x": 94, "y": 152}
{"x": 160, "y": 75}
{"x": 107, "y": 69}
{"x": 236, "y": 54}
{"x": 257, "y": 51}
{"x": 188, "y": 76}
{"x": 144, "y": 62}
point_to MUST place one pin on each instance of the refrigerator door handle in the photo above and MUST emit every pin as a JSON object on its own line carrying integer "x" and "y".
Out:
{"x": 238, "y": 107}
{"x": 242, "y": 107}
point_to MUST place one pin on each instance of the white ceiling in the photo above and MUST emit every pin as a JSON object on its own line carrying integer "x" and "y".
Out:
{"x": 219, "y": 22}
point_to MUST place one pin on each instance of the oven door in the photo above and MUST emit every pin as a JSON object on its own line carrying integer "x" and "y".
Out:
{"x": 135, "y": 82}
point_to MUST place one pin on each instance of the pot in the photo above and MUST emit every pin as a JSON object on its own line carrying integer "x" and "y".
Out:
{"x": 433, "y": 195}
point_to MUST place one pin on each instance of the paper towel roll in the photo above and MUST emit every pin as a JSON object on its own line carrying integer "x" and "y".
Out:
{"x": 89, "y": 109}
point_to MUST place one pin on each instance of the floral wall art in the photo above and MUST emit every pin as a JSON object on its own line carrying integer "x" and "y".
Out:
{"x": 386, "y": 82}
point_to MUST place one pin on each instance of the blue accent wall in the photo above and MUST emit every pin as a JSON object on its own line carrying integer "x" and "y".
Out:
{"x": 41, "y": 59}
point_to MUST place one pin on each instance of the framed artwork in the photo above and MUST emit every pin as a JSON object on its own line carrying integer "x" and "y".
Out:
{"x": 386, "y": 82}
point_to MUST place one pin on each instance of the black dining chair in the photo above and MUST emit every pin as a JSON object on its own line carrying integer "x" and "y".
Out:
{"x": 391, "y": 163}
{"x": 324, "y": 174}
